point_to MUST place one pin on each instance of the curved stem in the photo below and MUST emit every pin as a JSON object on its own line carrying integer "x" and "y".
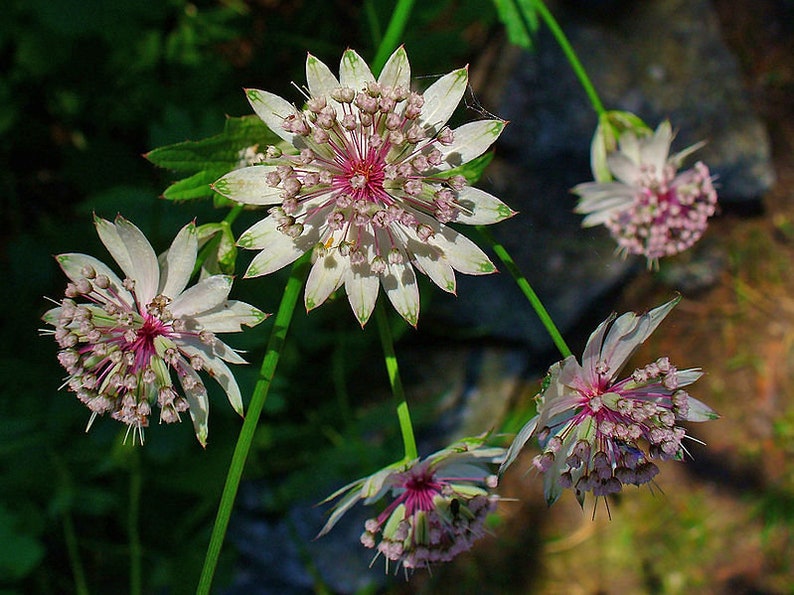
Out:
{"x": 266, "y": 373}
{"x": 394, "y": 32}
{"x": 527, "y": 290}
{"x": 392, "y": 367}
{"x": 570, "y": 54}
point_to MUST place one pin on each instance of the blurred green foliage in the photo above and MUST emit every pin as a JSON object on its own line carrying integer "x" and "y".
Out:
{"x": 87, "y": 88}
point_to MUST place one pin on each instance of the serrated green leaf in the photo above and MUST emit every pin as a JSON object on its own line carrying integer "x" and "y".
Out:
{"x": 221, "y": 152}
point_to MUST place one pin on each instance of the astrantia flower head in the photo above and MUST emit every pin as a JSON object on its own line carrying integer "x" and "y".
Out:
{"x": 437, "y": 506}
{"x": 368, "y": 184}
{"x": 598, "y": 433}
{"x": 123, "y": 341}
{"x": 650, "y": 209}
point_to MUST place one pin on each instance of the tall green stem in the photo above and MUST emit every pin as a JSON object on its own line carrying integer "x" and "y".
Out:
{"x": 527, "y": 290}
{"x": 266, "y": 374}
{"x": 570, "y": 54}
{"x": 394, "y": 32}
{"x": 387, "y": 341}
{"x": 133, "y": 522}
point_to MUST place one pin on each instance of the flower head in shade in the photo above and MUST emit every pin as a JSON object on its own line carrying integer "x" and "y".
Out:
{"x": 367, "y": 184}
{"x": 436, "y": 507}
{"x": 650, "y": 209}
{"x": 122, "y": 342}
{"x": 598, "y": 433}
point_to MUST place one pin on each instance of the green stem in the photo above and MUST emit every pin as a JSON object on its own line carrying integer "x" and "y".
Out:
{"x": 133, "y": 520}
{"x": 394, "y": 32}
{"x": 266, "y": 373}
{"x": 573, "y": 59}
{"x": 72, "y": 549}
{"x": 387, "y": 341}
{"x": 526, "y": 288}
{"x": 212, "y": 245}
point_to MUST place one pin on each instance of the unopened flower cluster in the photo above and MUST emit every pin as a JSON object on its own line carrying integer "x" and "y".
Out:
{"x": 121, "y": 340}
{"x": 593, "y": 428}
{"x": 368, "y": 184}
{"x": 651, "y": 209}
{"x": 437, "y": 506}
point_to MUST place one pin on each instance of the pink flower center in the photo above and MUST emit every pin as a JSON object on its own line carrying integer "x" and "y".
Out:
{"x": 363, "y": 179}
{"x": 420, "y": 492}
{"x": 143, "y": 345}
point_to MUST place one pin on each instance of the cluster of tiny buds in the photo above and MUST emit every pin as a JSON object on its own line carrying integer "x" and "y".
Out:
{"x": 611, "y": 458}
{"x": 601, "y": 472}
{"x": 362, "y": 160}
{"x": 431, "y": 536}
{"x": 669, "y": 213}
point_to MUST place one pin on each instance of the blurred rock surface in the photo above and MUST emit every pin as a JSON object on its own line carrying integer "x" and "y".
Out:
{"x": 661, "y": 59}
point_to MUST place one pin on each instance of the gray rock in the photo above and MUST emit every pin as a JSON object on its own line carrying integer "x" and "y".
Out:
{"x": 659, "y": 59}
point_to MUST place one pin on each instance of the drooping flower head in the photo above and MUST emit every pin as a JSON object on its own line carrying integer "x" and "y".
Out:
{"x": 651, "y": 209}
{"x": 122, "y": 341}
{"x": 367, "y": 184}
{"x": 437, "y": 508}
{"x": 598, "y": 433}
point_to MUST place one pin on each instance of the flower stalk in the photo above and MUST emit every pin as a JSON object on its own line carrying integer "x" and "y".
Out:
{"x": 394, "y": 33}
{"x": 392, "y": 367}
{"x": 241, "y": 450}
{"x": 570, "y": 54}
{"x": 527, "y": 290}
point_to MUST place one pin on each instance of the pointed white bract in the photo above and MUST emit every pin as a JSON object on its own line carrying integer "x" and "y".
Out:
{"x": 370, "y": 186}
{"x": 597, "y": 433}
{"x": 436, "y": 506}
{"x": 649, "y": 208}
{"x": 123, "y": 341}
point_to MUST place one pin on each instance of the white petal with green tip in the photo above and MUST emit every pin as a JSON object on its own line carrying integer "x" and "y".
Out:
{"x": 272, "y": 110}
{"x": 399, "y": 283}
{"x": 442, "y": 98}
{"x": 470, "y": 141}
{"x": 179, "y": 262}
{"x": 397, "y": 70}
{"x": 628, "y": 332}
{"x": 361, "y": 286}
{"x": 198, "y": 404}
{"x": 461, "y": 253}
{"x": 142, "y": 260}
{"x": 218, "y": 349}
{"x": 230, "y": 316}
{"x": 73, "y": 263}
{"x": 699, "y": 411}
{"x": 248, "y": 185}
{"x": 326, "y": 276}
{"x": 354, "y": 71}
{"x": 437, "y": 268}
{"x": 216, "y": 368}
{"x": 321, "y": 81}
{"x": 480, "y": 208}
{"x": 205, "y": 295}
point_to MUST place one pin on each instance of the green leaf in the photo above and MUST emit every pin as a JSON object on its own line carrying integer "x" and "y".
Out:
{"x": 195, "y": 186}
{"x": 20, "y": 553}
{"x": 519, "y": 19}
{"x": 471, "y": 170}
{"x": 219, "y": 153}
